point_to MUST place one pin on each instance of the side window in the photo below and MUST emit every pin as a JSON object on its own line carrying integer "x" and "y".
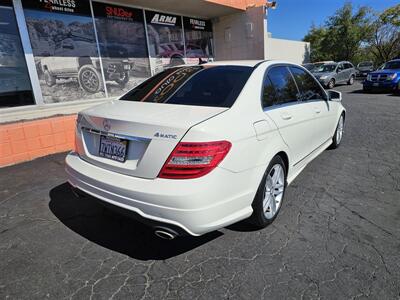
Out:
{"x": 309, "y": 89}
{"x": 283, "y": 85}
{"x": 349, "y": 66}
{"x": 268, "y": 96}
{"x": 340, "y": 68}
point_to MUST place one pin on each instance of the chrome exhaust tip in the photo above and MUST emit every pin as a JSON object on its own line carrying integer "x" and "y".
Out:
{"x": 165, "y": 234}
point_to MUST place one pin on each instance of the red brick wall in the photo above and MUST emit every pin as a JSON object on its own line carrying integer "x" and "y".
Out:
{"x": 27, "y": 140}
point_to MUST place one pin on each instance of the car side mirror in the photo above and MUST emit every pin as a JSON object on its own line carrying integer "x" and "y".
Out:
{"x": 334, "y": 96}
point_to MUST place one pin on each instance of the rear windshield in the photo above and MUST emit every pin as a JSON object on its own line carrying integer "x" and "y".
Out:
{"x": 216, "y": 86}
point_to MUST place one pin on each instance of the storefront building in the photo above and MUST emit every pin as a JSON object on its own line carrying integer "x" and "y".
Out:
{"x": 60, "y": 56}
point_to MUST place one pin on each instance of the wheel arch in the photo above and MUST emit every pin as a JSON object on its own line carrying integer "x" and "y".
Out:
{"x": 283, "y": 155}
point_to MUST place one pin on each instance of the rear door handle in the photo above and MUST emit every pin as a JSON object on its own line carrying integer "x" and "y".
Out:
{"x": 286, "y": 116}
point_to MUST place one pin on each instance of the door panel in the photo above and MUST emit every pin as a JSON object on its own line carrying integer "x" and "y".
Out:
{"x": 295, "y": 123}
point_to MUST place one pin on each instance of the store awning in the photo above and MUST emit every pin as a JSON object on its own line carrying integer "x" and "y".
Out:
{"x": 197, "y": 8}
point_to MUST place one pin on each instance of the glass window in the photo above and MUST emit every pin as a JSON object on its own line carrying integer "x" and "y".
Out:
{"x": 348, "y": 66}
{"x": 216, "y": 86}
{"x": 309, "y": 89}
{"x": 268, "y": 96}
{"x": 198, "y": 39}
{"x": 123, "y": 49}
{"x": 64, "y": 48}
{"x": 165, "y": 40}
{"x": 284, "y": 85}
{"x": 15, "y": 87}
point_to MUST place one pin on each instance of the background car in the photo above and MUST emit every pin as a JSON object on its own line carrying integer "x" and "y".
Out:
{"x": 363, "y": 68}
{"x": 386, "y": 78}
{"x": 331, "y": 74}
{"x": 196, "y": 148}
{"x": 312, "y": 66}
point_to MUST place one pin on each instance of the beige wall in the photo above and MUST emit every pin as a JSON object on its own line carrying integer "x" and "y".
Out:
{"x": 293, "y": 51}
{"x": 240, "y": 35}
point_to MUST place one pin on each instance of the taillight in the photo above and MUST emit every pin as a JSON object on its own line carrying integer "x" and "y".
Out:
{"x": 193, "y": 160}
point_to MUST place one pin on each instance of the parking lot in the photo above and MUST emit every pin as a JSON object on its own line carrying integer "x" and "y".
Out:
{"x": 337, "y": 236}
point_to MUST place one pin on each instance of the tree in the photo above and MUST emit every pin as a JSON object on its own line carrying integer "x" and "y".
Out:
{"x": 315, "y": 36}
{"x": 385, "y": 41}
{"x": 342, "y": 35}
{"x": 346, "y": 32}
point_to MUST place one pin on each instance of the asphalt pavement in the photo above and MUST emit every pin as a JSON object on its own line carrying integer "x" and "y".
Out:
{"x": 337, "y": 236}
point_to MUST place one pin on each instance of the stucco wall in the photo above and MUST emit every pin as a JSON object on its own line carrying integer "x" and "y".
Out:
{"x": 240, "y": 35}
{"x": 293, "y": 51}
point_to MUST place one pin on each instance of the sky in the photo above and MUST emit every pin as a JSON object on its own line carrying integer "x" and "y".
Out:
{"x": 292, "y": 18}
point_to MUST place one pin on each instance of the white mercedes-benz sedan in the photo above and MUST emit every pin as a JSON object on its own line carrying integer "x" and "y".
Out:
{"x": 196, "y": 148}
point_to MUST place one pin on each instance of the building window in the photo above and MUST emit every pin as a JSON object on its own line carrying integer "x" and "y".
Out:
{"x": 166, "y": 44}
{"x": 64, "y": 48}
{"x": 15, "y": 87}
{"x": 198, "y": 39}
{"x": 123, "y": 49}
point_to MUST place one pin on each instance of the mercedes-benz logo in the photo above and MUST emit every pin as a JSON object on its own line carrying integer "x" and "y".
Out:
{"x": 106, "y": 125}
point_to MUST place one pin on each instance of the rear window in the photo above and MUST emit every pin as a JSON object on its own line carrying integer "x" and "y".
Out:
{"x": 216, "y": 86}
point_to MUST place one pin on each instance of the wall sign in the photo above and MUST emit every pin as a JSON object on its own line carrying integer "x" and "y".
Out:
{"x": 117, "y": 13}
{"x": 158, "y": 18}
{"x": 81, "y": 7}
{"x": 197, "y": 24}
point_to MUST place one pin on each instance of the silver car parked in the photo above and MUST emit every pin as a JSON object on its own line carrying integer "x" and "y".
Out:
{"x": 331, "y": 74}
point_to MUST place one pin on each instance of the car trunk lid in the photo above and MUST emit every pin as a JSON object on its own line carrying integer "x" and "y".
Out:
{"x": 150, "y": 132}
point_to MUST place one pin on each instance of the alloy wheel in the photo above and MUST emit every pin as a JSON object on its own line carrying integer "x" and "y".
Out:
{"x": 339, "y": 131}
{"x": 273, "y": 191}
{"x": 89, "y": 79}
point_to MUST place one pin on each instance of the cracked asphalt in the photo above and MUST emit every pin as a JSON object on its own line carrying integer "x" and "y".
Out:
{"x": 337, "y": 236}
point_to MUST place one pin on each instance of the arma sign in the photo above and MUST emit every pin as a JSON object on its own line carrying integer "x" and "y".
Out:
{"x": 158, "y": 18}
{"x": 117, "y": 13}
{"x": 81, "y": 7}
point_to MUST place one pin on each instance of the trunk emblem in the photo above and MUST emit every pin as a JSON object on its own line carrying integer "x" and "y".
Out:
{"x": 166, "y": 136}
{"x": 106, "y": 125}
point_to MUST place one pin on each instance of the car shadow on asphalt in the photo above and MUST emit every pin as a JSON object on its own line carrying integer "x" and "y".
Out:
{"x": 90, "y": 219}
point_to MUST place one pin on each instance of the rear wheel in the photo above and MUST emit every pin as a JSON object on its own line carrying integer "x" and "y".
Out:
{"x": 90, "y": 79}
{"x": 331, "y": 84}
{"x": 337, "y": 138}
{"x": 268, "y": 200}
{"x": 351, "y": 80}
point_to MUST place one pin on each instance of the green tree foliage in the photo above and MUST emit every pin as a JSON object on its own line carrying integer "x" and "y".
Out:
{"x": 356, "y": 35}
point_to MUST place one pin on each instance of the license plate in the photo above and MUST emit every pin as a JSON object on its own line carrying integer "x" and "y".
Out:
{"x": 365, "y": 74}
{"x": 375, "y": 84}
{"x": 113, "y": 148}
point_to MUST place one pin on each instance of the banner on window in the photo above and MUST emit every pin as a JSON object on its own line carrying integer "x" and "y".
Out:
{"x": 158, "y": 18}
{"x": 197, "y": 24}
{"x": 117, "y": 13}
{"x": 81, "y": 7}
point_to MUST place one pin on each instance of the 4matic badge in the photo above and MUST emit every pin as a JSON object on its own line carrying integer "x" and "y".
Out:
{"x": 165, "y": 136}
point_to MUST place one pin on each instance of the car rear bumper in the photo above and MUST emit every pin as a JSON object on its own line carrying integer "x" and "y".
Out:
{"x": 197, "y": 205}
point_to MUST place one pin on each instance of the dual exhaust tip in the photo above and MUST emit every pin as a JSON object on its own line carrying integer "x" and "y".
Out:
{"x": 165, "y": 233}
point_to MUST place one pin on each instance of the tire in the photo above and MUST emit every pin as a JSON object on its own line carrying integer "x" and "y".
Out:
{"x": 338, "y": 136}
{"x": 262, "y": 217}
{"x": 123, "y": 80}
{"x": 331, "y": 84}
{"x": 351, "y": 80}
{"x": 50, "y": 79}
{"x": 90, "y": 79}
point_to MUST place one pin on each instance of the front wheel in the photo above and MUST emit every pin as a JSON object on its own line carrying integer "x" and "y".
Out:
{"x": 90, "y": 79}
{"x": 268, "y": 200}
{"x": 331, "y": 84}
{"x": 337, "y": 137}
